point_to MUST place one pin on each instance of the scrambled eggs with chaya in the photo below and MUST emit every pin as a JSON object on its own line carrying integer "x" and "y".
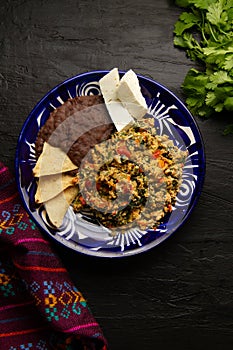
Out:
{"x": 132, "y": 179}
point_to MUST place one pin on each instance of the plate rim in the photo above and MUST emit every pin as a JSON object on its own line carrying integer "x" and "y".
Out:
{"x": 111, "y": 254}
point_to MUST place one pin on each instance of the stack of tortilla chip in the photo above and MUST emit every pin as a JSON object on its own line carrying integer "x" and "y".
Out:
{"x": 56, "y": 187}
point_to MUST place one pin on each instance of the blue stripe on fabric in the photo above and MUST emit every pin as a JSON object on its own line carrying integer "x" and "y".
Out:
{"x": 15, "y": 319}
{"x": 34, "y": 252}
{"x": 7, "y": 184}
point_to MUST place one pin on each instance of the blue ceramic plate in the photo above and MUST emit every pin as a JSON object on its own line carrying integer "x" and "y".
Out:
{"x": 171, "y": 117}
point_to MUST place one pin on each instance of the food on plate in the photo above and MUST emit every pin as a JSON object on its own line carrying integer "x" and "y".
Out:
{"x": 123, "y": 97}
{"x": 72, "y": 118}
{"x": 52, "y": 161}
{"x": 109, "y": 84}
{"x": 148, "y": 168}
{"x": 57, "y": 207}
{"x": 50, "y": 186}
{"x": 129, "y": 93}
{"x": 101, "y": 154}
{"x": 60, "y": 152}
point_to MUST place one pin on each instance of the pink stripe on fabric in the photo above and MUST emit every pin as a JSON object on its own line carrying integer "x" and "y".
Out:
{"x": 15, "y": 305}
{"x": 23, "y": 240}
{"x": 3, "y": 169}
{"x": 80, "y": 327}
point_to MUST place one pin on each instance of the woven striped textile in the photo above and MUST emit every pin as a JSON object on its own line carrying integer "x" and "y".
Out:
{"x": 40, "y": 307}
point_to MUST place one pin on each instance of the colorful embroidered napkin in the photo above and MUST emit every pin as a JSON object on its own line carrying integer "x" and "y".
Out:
{"x": 40, "y": 307}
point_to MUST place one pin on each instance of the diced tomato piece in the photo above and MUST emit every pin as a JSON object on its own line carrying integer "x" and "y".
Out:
{"x": 88, "y": 183}
{"x": 82, "y": 200}
{"x": 140, "y": 170}
{"x": 156, "y": 154}
{"x": 127, "y": 188}
{"x": 123, "y": 151}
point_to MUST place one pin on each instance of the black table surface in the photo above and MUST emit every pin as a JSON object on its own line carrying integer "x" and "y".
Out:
{"x": 181, "y": 292}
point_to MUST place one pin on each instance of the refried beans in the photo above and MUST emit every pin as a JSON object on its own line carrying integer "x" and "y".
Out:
{"x": 89, "y": 124}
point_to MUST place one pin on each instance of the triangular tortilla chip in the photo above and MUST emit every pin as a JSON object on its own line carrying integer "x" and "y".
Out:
{"x": 57, "y": 207}
{"x": 50, "y": 186}
{"x": 52, "y": 161}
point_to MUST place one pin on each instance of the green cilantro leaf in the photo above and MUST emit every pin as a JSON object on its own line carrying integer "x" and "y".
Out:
{"x": 220, "y": 77}
{"x": 228, "y": 130}
{"x": 228, "y": 63}
{"x": 205, "y": 32}
{"x": 228, "y": 5}
{"x": 183, "y": 3}
{"x": 190, "y": 18}
{"x": 180, "y": 27}
{"x": 202, "y": 4}
{"x": 228, "y": 103}
{"x": 214, "y": 13}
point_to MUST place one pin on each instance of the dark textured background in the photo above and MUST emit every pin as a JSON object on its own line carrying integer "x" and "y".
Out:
{"x": 179, "y": 294}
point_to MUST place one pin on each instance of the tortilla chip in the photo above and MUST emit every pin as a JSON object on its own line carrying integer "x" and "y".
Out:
{"x": 52, "y": 161}
{"x": 50, "y": 186}
{"x": 57, "y": 207}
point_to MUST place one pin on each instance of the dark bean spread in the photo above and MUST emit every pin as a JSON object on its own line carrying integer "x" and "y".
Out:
{"x": 76, "y": 126}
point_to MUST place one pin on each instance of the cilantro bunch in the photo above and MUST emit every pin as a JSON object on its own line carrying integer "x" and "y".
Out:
{"x": 205, "y": 31}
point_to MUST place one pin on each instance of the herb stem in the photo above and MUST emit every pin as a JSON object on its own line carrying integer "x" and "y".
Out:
{"x": 202, "y": 28}
{"x": 212, "y": 32}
